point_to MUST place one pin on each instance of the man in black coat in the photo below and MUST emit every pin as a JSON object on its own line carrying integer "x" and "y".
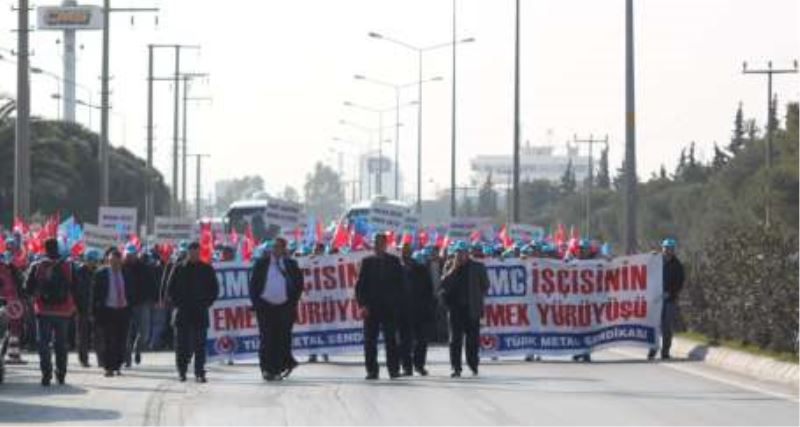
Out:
{"x": 673, "y": 281}
{"x": 464, "y": 286}
{"x": 111, "y": 295}
{"x": 192, "y": 289}
{"x": 378, "y": 291}
{"x": 416, "y": 315}
{"x": 276, "y": 285}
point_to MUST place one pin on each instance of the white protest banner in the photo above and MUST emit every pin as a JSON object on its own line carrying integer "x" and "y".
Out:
{"x": 462, "y": 228}
{"x": 122, "y": 220}
{"x": 173, "y": 229}
{"x": 539, "y": 306}
{"x": 387, "y": 217}
{"x": 547, "y": 306}
{"x": 99, "y": 237}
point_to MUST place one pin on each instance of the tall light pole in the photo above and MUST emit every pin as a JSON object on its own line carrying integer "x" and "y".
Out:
{"x": 186, "y": 98}
{"x": 590, "y": 179}
{"x": 104, "y": 94}
{"x": 397, "y": 88}
{"x": 419, "y": 50}
{"x": 630, "y": 199}
{"x": 197, "y": 196}
{"x": 370, "y": 133}
{"x": 22, "y": 153}
{"x": 379, "y": 112}
{"x": 769, "y": 71}
{"x": 515, "y": 216}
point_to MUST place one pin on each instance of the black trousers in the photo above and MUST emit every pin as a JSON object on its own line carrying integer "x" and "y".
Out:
{"x": 380, "y": 321}
{"x": 190, "y": 341}
{"x": 82, "y": 336}
{"x": 275, "y": 333}
{"x": 413, "y": 342}
{"x": 463, "y": 326}
{"x": 112, "y": 327}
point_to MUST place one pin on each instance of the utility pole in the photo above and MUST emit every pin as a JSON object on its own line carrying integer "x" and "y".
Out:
{"x": 186, "y": 98}
{"x": 149, "y": 208}
{"x": 103, "y": 150}
{"x": 630, "y": 198}
{"x": 590, "y": 178}
{"x": 769, "y": 71}
{"x": 197, "y": 199}
{"x": 22, "y": 143}
{"x": 150, "y": 213}
{"x": 453, "y": 125}
{"x": 69, "y": 69}
{"x": 515, "y": 216}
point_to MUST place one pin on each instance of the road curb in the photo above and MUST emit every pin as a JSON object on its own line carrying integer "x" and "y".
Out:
{"x": 759, "y": 367}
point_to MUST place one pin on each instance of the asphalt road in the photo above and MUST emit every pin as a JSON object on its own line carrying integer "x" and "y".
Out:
{"x": 618, "y": 388}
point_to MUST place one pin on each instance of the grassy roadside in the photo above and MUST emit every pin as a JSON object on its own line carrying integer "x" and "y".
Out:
{"x": 738, "y": 345}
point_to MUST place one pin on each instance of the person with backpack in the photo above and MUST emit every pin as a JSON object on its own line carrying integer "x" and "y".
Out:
{"x": 51, "y": 285}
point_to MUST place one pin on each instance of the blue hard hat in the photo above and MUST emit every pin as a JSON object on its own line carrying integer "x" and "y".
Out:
{"x": 92, "y": 254}
{"x": 669, "y": 242}
{"x": 460, "y": 245}
{"x": 130, "y": 249}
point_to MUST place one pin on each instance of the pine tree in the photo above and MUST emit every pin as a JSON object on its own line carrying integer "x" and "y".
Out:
{"x": 662, "y": 173}
{"x": 568, "y": 182}
{"x": 603, "y": 180}
{"x": 720, "y": 158}
{"x": 751, "y": 130}
{"x": 737, "y": 140}
{"x": 681, "y": 168}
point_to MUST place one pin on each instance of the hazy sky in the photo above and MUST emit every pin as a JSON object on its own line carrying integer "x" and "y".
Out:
{"x": 280, "y": 71}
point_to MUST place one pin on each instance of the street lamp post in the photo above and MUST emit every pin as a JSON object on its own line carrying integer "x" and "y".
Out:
{"x": 397, "y": 88}
{"x": 419, "y": 50}
{"x": 370, "y": 132}
{"x": 397, "y": 125}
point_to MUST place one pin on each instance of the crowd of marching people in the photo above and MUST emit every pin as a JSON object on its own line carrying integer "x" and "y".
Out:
{"x": 127, "y": 300}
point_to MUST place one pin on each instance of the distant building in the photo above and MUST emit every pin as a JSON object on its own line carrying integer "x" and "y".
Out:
{"x": 536, "y": 163}
{"x": 371, "y": 169}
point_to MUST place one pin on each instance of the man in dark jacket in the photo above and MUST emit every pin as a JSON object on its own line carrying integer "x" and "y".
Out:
{"x": 673, "y": 280}
{"x": 275, "y": 288}
{"x": 145, "y": 293}
{"x": 192, "y": 289}
{"x": 417, "y": 307}
{"x": 84, "y": 275}
{"x": 464, "y": 285}
{"x": 112, "y": 295}
{"x": 378, "y": 290}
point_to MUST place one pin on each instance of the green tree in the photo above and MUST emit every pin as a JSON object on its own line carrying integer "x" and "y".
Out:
{"x": 738, "y": 137}
{"x": 65, "y": 173}
{"x": 238, "y": 189}
{"x": 603, "y": 179}
{"x": 290, "y": 194}
{"x": 568, "y": 181}
{"x": 324, "y": 194}
{"x": 487, "y": 199}
{"x": 720, "y": 158}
